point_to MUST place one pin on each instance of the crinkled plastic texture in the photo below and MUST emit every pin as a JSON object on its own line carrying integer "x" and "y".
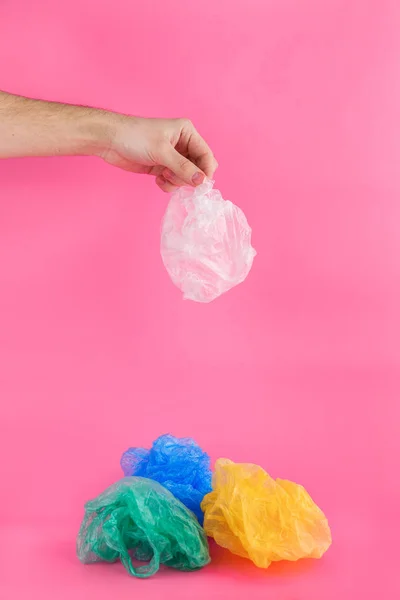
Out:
{"x": 205, "y": 243}
{"x": 179, "y": 464}
{"x": 138, "y": 518}
{"x": 263, "y": 519}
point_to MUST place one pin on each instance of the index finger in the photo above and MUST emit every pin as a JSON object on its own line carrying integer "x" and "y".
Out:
{"x": 198, "y": 151}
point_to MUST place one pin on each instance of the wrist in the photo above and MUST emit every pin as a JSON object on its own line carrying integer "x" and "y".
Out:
{"x": 95, "y": 131}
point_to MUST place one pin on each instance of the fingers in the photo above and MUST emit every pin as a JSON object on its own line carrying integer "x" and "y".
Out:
{"x": 208, "y": 164}
{"x": 172, "y": 178}
{"x": 192, "y": 145}
{"x": 187, "y": 160}
{"x": 164, "y": 185}
{"x": 182, "y": 168}
{"x": 200, "y": 153}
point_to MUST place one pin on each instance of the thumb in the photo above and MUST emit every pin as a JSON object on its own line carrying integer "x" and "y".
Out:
{"x": 182, "y": 167}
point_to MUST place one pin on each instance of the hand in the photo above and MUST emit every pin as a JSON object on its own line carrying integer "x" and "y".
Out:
{"x": 170, "y": 149}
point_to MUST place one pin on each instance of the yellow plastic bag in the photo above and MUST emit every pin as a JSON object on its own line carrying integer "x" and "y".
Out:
{"x": 263, "y": 519}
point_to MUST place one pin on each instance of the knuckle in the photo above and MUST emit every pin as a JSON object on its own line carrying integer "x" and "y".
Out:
{"x": 187, "y": 123}
{"x": 184, "y": 164}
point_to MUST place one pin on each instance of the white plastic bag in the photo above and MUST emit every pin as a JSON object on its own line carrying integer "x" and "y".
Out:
{"x": 205, "y": 243}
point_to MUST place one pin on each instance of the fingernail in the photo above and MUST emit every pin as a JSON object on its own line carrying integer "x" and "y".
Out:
{"x": 198, "y": 178}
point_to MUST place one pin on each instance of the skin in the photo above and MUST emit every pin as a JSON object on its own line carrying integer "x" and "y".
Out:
{"x": 169, "y": 149}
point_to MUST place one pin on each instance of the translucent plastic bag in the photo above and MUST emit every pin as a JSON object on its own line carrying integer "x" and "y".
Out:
{"x": 179, "y": 464}
{"x": 205, "y": 243}
{"x": 263, "y": 519}
{"x": 138, "y": 518}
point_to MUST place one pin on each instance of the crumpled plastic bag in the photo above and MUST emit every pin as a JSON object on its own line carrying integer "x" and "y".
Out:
{"x": 179, "y": 464}
{"x": 205, "y": 243}
{"x": 139, "y": 518}
{"x": 263, "y": 519}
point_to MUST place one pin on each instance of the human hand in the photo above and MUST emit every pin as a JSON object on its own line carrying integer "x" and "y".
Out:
{"x": 169, "y": 149}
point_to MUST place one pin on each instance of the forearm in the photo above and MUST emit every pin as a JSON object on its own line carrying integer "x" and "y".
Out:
{"x": 37, "y": 128}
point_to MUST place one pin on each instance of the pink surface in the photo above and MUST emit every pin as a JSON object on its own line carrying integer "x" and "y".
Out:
{"x": 296, "y": 369}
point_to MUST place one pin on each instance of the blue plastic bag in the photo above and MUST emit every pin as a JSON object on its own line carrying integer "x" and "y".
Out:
{"x": 179, "y": 464}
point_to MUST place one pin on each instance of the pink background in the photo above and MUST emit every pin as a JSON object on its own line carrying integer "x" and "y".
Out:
{"x": 297, "y": 369}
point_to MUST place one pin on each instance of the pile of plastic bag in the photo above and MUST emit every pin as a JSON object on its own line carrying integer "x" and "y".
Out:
{"x": 167, "y": 504}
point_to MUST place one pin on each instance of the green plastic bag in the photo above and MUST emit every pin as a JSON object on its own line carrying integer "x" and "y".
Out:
{"x": 138, "y": 518}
